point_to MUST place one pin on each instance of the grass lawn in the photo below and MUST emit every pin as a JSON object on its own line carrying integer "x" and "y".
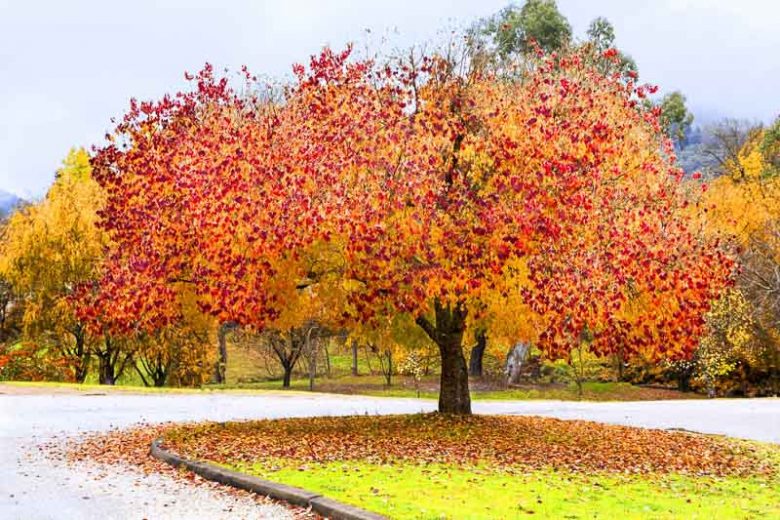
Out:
{"x": 373, "y": 385}
{"x": 246, "y": 373}
{"x": 404, "y": 387}
{"x": 433, "y": 467}
{"x": 441, "y": 491}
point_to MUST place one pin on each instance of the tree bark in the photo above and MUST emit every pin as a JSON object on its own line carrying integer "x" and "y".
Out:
{"x": 447, "y": 333}
{"x": 454, "y": 395}
{"x": 113, "y": 361}
{"x": 106, "y": 370}
{"x": 477, "y": 353}
{"x": 220, "y": 372}
{"x": 79, "y": 354}
{"x": 354, "y": 358}
{"x": 287, "y": 376}
{"x": 515, "y": 359}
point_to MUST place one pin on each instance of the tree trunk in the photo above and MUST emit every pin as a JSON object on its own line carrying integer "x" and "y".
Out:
{"x": 386, "y": 366}
{"x": 80, "y": 354}
{"x": 354, "y": 358}
{"x": 82, "y": 364}
{"x": 160, "y": 379}
{"x": 106, "y": 371}
{"x": 311, "y": 347}
{"x": 220, "y": 372}
{"x": 223, "y": 355}
{"x": 287, "y": 376}
{"x": 447, "y": 333}
{"x": 514, "y": 362}
{"x": 477, "y": 353}
{"x": 684, "y": 380}
{"x": 454, "y": 395}
{"x": 621, "y": 364}
{"x": 113, "y": 361}
{"x": 389, "y": 368}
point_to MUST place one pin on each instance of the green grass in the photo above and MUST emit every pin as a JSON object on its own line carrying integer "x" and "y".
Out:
{"x": 93, "y": 387}
{"x": 374, "y": 385}
{"x": 592, "y": 391}
{"x": 436, "y": 492}
{"x": 96, "y": 388}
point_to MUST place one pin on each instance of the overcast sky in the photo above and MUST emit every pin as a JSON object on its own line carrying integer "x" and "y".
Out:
{"x": 67, "y": 67}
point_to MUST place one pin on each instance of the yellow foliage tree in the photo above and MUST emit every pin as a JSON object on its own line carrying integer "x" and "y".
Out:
{"x": 742, "y": 206}
{"x": 730, "y": 339}
{"x": 49, "y": 249}
{"x": 746, "y": 198}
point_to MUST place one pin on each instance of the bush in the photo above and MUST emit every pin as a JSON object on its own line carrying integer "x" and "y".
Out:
{"x": 28, "y": 361}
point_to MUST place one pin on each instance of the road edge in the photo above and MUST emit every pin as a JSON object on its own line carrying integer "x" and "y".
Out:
{"x": 324, "y": 506}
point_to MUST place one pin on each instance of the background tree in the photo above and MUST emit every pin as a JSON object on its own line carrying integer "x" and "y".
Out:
{"x": 760, "y": 282}
{"x": 726, "y": 140}
{"x": 49, "y": 249}
{"x": 519, "y": 30}
{"x": 770, "y": 146}
{"x": 676, "y": 120}
{"x": 729, "y": 341}
{"x": 601, "y": 44}
{"x": 741, "y": 206}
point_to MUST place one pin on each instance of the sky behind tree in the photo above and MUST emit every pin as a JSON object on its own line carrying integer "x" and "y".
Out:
{"x": 67, "y": 68}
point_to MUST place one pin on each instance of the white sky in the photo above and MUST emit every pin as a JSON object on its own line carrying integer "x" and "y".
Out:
{"x": 67, "y": 67}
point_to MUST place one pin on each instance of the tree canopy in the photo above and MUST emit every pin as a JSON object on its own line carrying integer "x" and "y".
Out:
{"x": 411, "y": 186}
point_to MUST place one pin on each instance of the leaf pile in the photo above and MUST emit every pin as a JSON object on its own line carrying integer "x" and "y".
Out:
{"x": 130, "y": 447}
{"x": 119, "y": 446}
{"x": 500, "y": 442}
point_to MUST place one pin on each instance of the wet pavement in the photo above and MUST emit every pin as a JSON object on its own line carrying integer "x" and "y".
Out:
{"x": 33, "y": 487}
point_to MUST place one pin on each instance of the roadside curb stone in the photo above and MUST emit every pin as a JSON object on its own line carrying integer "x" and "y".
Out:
{"x": 324, "y": 506}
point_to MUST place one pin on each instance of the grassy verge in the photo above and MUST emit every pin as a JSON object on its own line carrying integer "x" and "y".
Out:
{"x": 409, "y": 491}
{"x": 246, "y": 371}
{"x": 374, "y": 385}
{"x": 434, "y": 467}
{"x": 90, "y": 388}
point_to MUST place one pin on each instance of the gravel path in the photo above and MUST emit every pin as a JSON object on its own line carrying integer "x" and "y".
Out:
{"x": 30, "y": 488}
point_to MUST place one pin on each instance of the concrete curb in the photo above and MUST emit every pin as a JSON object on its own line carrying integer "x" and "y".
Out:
{"x": 293, "y": 495}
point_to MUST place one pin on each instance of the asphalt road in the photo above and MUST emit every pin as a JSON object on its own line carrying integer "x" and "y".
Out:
{"x": 31, "y": 488}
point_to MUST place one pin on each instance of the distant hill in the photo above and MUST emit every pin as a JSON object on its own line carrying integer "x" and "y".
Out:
{"x": 8, "y": 201}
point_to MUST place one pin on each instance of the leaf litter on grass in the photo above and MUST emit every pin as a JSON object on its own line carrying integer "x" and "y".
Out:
{"x": 500, "y": 442}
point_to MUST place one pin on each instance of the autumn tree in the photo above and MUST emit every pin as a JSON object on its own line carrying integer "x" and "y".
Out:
{"x": 51, "y": 247}
{"x": 741, "y": 205}
{"x": 483, "y": 194}
{"x": 409, "y": 187}
{"x": 726, "y": 140}
{"x": 729, "y": 340}
{"x": 760, "y": 282}
{"x": 505, "y": 320}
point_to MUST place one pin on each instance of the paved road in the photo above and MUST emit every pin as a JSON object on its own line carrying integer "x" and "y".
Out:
{"x": 30, "y": 489}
